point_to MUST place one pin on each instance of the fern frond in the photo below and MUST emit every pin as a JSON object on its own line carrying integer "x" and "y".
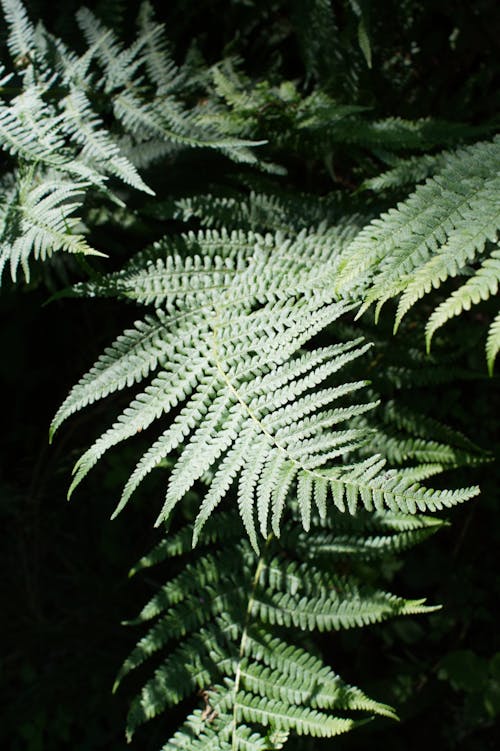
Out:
{"x": 405, "y": 238}
{"x": 38, "y": 220}
{"x": 366, "y": 535}
{"x": 493, "y": 343}
{"x": 241, "y": 645}
{"x": 162, "y": 116}
{"x": 55, "y": 131}
{"x": 162, "y": 70}
{"x": 479, "y": 287}
{"x": 144, "y": 154}
{"x": 251, "y": 404}
{"x": 31, "y": 129}
{"x": 396, "y": 363}
{"x": 316, "y": 28}
{"x": 404, "y": 436}
{"x": 86, "y": 129}
{"x": 444, "y": 225}
{"x": 316, "y": 125}
{"x": 242, "y": 378}
{"x": 120, "y": 63}
{"x": 397, "y": 134}
{"x": 278, "y": 211}
{"x": 405, "y": 172}
{"x": 21, "y": 36}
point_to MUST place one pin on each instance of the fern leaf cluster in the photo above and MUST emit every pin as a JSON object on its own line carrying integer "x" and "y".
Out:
{"x": 448, "y": 227}
{"x": 232, "y": 626}
{"x": 226, "y": 350}
{"x": 248, "y": 372}
{"x": 318, "y": 126}
{"x": 54, "y": 126}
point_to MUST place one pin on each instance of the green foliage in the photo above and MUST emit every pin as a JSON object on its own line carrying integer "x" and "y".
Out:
{"x": 54, "y": 127}
{"x": 317, "y": 125}
{"x": 448, "y": 224}
{"x": 245, "y": 212}
{"x": 226, "y": 347}
{"x": 240, "y": 617}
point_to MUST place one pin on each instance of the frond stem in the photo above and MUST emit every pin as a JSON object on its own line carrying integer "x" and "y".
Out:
{"x": 244, "y": 635}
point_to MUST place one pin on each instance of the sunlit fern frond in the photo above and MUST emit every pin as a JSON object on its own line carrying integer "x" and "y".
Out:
{"x": 55, "y": 123}
{"x": 37, "y": 219}
{"x": 449, "y": 224}
{"x": 234, "y": 385}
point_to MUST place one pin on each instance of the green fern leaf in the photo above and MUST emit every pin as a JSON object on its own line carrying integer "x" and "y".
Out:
{"x": 235, "y": 646}
{"x": 493, "y": 343}
{"x": 446, "y": 224}
{"x": 479, "y": 287}
{"x": 250, "y": 402}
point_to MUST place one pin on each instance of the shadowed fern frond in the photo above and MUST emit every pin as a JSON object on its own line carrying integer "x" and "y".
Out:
{"x": 232, "y": 626}
{"x": 260, "y": 211}
{"x": 316, "y": 125}
{"x": 409, "y": 171}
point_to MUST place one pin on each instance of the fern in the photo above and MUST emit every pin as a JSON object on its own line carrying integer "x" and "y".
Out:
{"x": 226, "y": 346}
{"x": 447, "y": 224}
{"x": 399, "y": 365}
{"x": 259, "y": 210}
{"x": 315, "y": 28}
{"x": 21, "y": 39}
{"x": 244, "y": 371}
{"x": 160, "y": 117}
{"x": 53, "y": 125}
{"x": 493, "y": 343}
{"x": 317, "y": 125}
{"x": 38, "y": 220}
{"x": 407, "y": 171}
{"x": 234, "y": 623}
